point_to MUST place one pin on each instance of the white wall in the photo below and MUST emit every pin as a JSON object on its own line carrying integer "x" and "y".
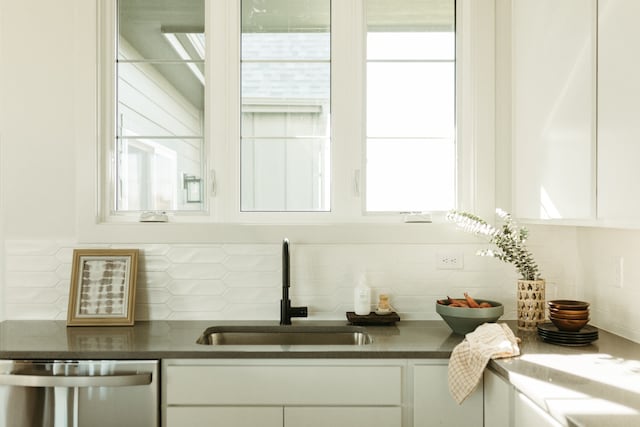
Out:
{"x": 612, "y": 308}
{"x": 243, "y": 281}
{"x": 36, "y": 58}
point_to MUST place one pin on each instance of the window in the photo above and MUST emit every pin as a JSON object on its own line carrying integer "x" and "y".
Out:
{"x": 160, "y": 105}
{"x": 410, "y": 145}
{"x": 272, "y": 115}
{"x": 286, "y": 86}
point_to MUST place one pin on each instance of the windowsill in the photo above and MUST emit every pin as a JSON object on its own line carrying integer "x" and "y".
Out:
{"x": 352, "y": 233}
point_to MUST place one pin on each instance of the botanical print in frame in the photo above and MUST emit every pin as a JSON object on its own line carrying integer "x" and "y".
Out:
{"x": 103, "y": 283}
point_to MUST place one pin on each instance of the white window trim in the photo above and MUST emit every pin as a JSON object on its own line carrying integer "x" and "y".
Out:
{"x": 475, "y": 123}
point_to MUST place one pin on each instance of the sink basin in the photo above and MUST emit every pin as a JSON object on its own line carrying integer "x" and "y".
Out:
{"x": 285, "y": 335}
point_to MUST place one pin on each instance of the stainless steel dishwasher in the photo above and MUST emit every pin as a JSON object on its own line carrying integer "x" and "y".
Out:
{"x": 79, "y": 393}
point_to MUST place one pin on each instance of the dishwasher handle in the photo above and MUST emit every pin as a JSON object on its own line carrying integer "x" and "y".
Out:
{"x": 125, "y": 380}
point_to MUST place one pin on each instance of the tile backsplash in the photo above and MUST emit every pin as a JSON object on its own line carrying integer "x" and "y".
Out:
{"x": 243, "y": 281}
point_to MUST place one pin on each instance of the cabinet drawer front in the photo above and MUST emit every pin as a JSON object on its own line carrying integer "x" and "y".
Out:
{"x": 284, "y": 385}
{"x": 343, "y": 417}
{"x": 227, "y": 417}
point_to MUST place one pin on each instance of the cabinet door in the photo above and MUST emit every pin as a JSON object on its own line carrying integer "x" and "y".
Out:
{"x": 244, "y": 416}
{"x": 528, "y": 414}
{"x": 284, "y": 385}
{"x": 554, "y": 108}
{"x": 434, "y": 406}
{"x": 498, "y": 401}
{"x": 343, "y": 417}
{"x": 618, "y": 110}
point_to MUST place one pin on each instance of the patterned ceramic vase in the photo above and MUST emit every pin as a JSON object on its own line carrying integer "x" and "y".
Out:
{"x": 531, "y": 304}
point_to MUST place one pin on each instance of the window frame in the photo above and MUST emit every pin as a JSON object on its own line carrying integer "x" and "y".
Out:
{"x": 348, "y": 220}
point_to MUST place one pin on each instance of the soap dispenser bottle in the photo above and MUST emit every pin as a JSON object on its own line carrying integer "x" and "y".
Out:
{"x": 362, "y": 298}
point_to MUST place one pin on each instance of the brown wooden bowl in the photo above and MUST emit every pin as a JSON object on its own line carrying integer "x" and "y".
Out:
{"x": 560, "y": 315}
{"x": 569, "y": 325}
{"x": 568, "y": 304}
{"x": 569, "y": 313}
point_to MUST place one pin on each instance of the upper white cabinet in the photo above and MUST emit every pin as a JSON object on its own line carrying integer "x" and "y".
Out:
{"x": 618, "y": 110}
{"x": 553, "y": 60}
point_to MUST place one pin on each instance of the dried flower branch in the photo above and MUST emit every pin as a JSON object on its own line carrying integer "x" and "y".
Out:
{"x": 509, "y": 239}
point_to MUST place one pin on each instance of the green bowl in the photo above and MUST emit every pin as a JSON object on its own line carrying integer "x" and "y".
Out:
{"x": 463, "y": 320}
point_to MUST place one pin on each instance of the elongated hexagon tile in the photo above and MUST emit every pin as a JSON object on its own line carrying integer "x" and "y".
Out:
{"x": 153, "y": 263}
{"x": 196, "y": 287}
{"x": 31, "y": 247}
{"x": 152, "y": 311}
{"x": 153, "y": 279}
{"x": 242, "y": 249}
{"x": 253, "y": 263}
{"x": 196, "y": 303}
{"x": 63, "y": 271}
{"x": 152, "y": 296}
{"x": 31, "y": 295}
{"x": 31, "y": 311}
{"x": 253, "y": 279}
{"x": 196, "y": 254}
{"x": 251, "y": 311}
{"x": 244, "y": 294}
{"x": 31, "y": 263}
{"x": 196, "y": 271}
{"x": 28, "y": 279}
{"x": 152, "y": 249}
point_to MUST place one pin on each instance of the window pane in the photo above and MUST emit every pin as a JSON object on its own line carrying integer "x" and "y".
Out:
{"x": 160, "y": 105}
{"x": 297, "y": 45}
{"x": 143, "y": 25}
{"x": 413, "y": 45}
{"x": 285, "y": 174}
{"x": 410, "y": 99}
{"x": 149, "y": 105}
{"x": 285, "y": 84}
{"x": 410, "y": 175}
{"x": 411, "y": 155}
{"x": 152, "y": 174}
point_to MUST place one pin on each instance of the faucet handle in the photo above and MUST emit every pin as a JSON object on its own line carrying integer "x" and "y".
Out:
{"x": 299, "y": 311}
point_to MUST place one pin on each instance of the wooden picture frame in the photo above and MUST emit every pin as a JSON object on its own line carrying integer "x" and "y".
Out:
{"x": 103, "y": 287}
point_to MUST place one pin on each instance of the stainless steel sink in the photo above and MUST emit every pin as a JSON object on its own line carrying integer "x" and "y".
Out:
{"x": 285, "y": 335}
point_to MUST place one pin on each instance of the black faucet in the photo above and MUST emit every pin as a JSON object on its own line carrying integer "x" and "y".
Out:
{"x": 286, "y": 311}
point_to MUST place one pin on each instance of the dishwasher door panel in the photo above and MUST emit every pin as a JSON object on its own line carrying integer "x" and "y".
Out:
{"x": 79, "y": 393}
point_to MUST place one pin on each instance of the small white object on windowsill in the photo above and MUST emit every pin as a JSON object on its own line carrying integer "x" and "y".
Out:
{"x": 154, "y": 216}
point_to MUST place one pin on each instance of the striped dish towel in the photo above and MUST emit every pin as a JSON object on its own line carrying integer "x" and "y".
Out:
{"x": 470, "y": 357}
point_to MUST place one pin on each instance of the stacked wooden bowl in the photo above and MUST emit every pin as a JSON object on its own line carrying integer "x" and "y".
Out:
{"x": 569, "y": 315}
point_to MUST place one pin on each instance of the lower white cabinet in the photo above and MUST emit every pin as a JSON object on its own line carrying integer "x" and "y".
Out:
{"x": 434, "y": 406}
{"x": 504, "y": 406}
{"x": 335, "y": 393}
{"x": 343, "y": 416}
{"x": 265, "y": 393}
{"x": 528, "y": 414}
{"x": 498, "y": 401}
{"x": 231, "y": 416}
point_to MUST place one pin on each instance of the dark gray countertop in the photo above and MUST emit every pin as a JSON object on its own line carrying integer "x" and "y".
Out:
{"x": 591, "y": 385}
{"x": 177, "y": 339}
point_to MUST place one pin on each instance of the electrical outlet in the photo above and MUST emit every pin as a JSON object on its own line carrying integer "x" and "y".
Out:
{"x": 449, "y": 261}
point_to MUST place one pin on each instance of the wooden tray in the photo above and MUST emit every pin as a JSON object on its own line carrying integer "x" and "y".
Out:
{"x": 373, "y": 318}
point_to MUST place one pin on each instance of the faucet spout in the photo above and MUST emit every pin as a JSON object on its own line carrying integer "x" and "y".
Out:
{"x": 286, "y": 311}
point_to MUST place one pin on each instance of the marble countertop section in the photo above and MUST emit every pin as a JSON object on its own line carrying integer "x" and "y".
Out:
{"x": 593, "y": 385}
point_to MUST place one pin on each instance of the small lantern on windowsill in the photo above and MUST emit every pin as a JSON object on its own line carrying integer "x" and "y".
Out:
{"x": 193, "y": 186}
{"x": 510, "y": 241}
